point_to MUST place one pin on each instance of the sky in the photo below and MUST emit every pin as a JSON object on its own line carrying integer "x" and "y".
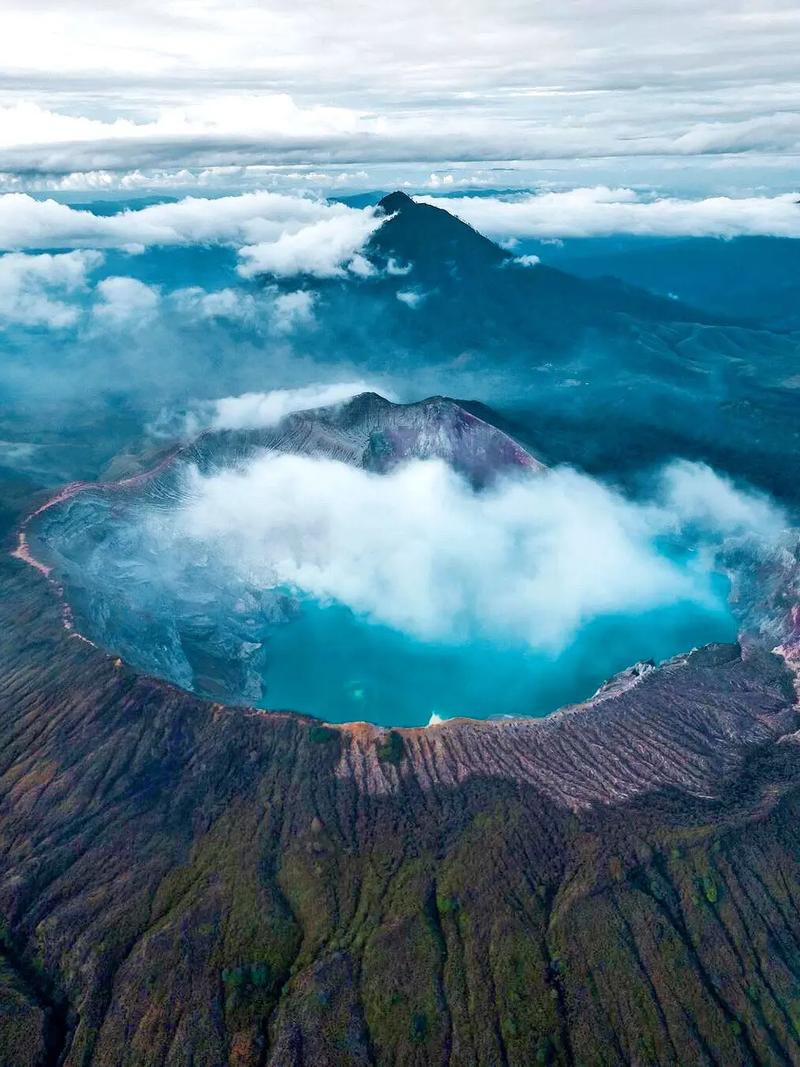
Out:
{"x": 244, "y": 122}
{"x": 696, "y": 100}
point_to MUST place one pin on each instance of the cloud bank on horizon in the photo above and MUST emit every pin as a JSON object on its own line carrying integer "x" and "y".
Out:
{"x": 130, "y": 95}
{"x": 600, "y": 212}
{"x": 277, "y": 233}
{"x": 306, "y": 238}
{"x": 288, "y": 235}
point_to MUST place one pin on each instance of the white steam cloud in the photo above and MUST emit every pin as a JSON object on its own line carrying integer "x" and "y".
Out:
{"x": 253, "y": 411}
{"x": 259, "y": 410}
{"x": 256, "y": 411}
{"x": 529, "y": 561}
{"x": 696, "y": 493}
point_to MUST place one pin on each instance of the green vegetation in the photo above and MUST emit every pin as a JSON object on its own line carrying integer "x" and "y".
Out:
{"x": 322, "y": 735}
{"x": 391, "y": 748}
{"x": 710, "y": 889}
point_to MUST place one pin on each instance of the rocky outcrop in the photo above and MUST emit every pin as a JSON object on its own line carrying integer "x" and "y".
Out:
{"x": 685, "y": 725}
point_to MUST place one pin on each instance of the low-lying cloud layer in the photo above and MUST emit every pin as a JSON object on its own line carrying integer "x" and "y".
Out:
{"x": 63, "y": 292}
{"x": 601, "y": 212}
{"x": 285, "y": 236}
{"x": 530, "y": 561}
{"x": 278, "y": 234}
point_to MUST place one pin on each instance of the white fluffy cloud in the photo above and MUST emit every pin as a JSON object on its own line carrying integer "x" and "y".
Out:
{"x": 250, "y": 218}
{"x": 291, "y": 310}
{"x": 697, "y": 494}
{"x": 267, "y": 310}
{"x": 600, "y": 211}
{"x": 529, "y": 561}
{"x": 326, "y": 249}
{"x": 33, "y": 287}
{"x": 527, "y": 261}
{"x": 277, "y": 234}
{"x": 125, "y": 302}
{"x": 231, "y": 304}
{"x": 287, "y": 235}
{"x": 410, "y": 297}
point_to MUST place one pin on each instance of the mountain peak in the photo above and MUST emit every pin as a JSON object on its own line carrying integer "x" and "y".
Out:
{"x": 395, "y": 202}
{"x": 430, "y": 237}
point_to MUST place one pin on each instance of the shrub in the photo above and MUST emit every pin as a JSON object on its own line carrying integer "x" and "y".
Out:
{"x": 320, "y": 735}
{"x": 710, "y": 889}
{"x": 391, "y": 749}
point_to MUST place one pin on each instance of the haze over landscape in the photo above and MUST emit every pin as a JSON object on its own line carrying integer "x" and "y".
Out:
{"x": 400, "y": 603}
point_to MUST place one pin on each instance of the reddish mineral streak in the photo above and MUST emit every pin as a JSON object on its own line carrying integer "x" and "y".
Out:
{"x": 23, "y": 552}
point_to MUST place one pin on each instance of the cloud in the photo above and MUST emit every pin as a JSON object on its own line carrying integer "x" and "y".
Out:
{"x": 529, "y": 561}
{"x": 328, "y": 248}
{"x": 234, "y": 305}
{"x": 267, "y": 309}
{"x": 410, "y": 297}
{"x": 284, "y": 235}
{"x": 130, "y": 156}
{"x": 215, "y": 131}
{"x": 249, "y": 218}
{"x": 777, "y": 132}
{"x": 696, "y": 494}
{"x": 293, "y": 309}
{"x": 527, "y": 260}
{"x": 223, "y": 177}
{"x": 32, "y": 287}
{"x": 125, "y": 302}
{"x": 257, "y": 410}
{"x": 602, "y": 211}
{"x": 265, "y": 114}
{"x": 276, "y": 234}
{"x": 131, "y": 88}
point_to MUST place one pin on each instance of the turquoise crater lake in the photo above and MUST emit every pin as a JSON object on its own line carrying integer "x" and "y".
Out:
{"x": 330, "y": 663}
{"x": 390, "y": 563}
{"x": 285, "y": 650}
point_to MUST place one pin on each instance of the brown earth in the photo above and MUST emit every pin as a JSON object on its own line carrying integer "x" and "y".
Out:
{"x": 188, "y": 884}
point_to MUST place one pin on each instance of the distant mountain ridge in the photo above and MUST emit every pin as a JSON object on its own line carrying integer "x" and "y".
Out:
{"x": 581, "y": 367}
{"x": 439, "y": 290}
{"x": 750, "y": 277}
{"x": 428, "y": 236}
